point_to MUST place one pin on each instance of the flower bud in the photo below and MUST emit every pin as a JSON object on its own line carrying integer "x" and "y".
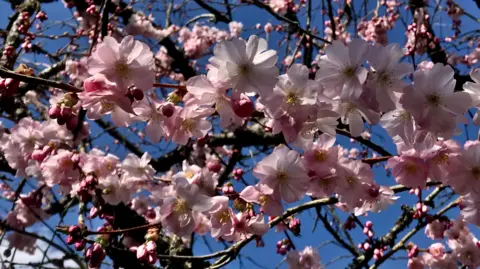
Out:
{"x": 168, "y": 109}
{"x": 243, "y": 107}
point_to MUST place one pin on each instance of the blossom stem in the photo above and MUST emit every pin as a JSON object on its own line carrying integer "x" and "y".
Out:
{"x": 167, "y": 85}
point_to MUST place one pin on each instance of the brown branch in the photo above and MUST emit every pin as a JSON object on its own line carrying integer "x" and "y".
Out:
{"x": 367, "y": 143}
{"x": 219, "y": 17}
{"x": 287, "y": 20}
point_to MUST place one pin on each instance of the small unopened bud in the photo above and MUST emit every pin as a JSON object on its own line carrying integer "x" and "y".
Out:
{"x": 168, "y": 109}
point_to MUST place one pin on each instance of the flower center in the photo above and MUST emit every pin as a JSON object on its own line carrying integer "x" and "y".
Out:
{"x": 188, "y": 124}
{"x": 223, "y": 216}
{"x": 384, "y": 78}
{"x": 180, "y": 206}
{"x": 263, "y": 200}
{"x": 433, "y": 99}
{"x": 282, "y": 176}
{"x": 410, "y": 168}
{"x": 189, "y": 174}
{"x": 244, "y": 69}
{"x": 292, "y": 99}
{"x": 121, "y": 69}
{"x": 349, "y": 72}
{"x": 476, "y": 172}
{"x": 351, "y": 180}
{"x": 441, "y": 158}
{"x": 106, "y": 107}
{"x": 321, "y": 155}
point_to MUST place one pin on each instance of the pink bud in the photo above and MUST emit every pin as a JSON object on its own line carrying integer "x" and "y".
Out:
{"x": 168, "y": 109}
{"x": 80, "y": 245}
{"x": 243, "y": 107}
{"x": 72, "y": 123}
{"x": 370, "y": 234}
{"x": 95, "y": 255}
{"x": 214, "y": 166}
{"x": 93, "y": 212}
{"x": 366, "y": 246}
{"x": 137, "y": 94}
{"x": 69, "y": 240}
{"x": 54, "y": 111}
{"x": 369, "y": 224}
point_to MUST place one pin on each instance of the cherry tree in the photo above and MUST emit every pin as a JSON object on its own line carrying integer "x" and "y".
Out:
{"x": 131, "y": 130}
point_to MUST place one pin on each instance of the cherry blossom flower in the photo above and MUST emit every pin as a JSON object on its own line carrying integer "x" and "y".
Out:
{"x": 323, "y": 155}
{"x": 388, "y": 73}
{"x": 308, "y": 258}
{"x": 433, "y": 102}
{"x": 464, "y": 169}
{"x": 102, "y": 96}
{"x": 470, "y": 205}
{"x": 151, "y": 112}
{"x": 377, "y": 199}
{"x": 293, "y": 94}
{"x": 271, "y": 204}
{"x": 115, "y": 190}
{"x": 411, "y": 171}
{"x": 340, "y": 69}
{"x": 137, "y": 169}
{"x": 473, "y": 88}
{"x": 352, "y": 113}
{"x": 359, "y": 177}
{"x": 128, "y": 63}
{"x": 244, "y": 226}
{"x": 190, "y": 123}
{"x": 221, "y": 218}
{"x": 209, "y": 95}
{"x": 177, "y": 211}
{"x": 60, "y": 169}
{"x": 247, "y": 67}
{"x": 283, "y": 171}
{"x": 437, "y": 258}
{"x": 435, "y": 229}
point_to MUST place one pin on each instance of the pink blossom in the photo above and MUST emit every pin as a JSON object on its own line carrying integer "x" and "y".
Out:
{"x": 270, "y": 203}
{"x": 190, "y": 123}
{"x": 102, "y": 96}
{"x": 352, "y": 113}
{"x": 437, "y": 258}
{"x": 293, "y": 94}
{"x": 283, "y": 171}
{"x": 221, "y": 218}
{"x": 358, "y": 176}
{"x": 60, "y": 169}
{"x": 308, "y": 258}
{"x": 464, "y": 169}
{"x": 177, "y": 211}
{"x": 388, "y": 73}
{"x": 151, "y": 112}
{"x": 473, "y": 88}
{"x": 208, "y": 95}
{"x": 377, "y": 199}
{"x": 435, "y": 229}
{"x": 470, "y": 205}
{"x": 410, "y": 171}
{"x": 115, "y": 190}
{"x": 340, "y": 68}
{"x": 323, "y": 155}
{"x": 235, "y": 28}
{"x": 415, "y": 263}
{"x": 244, "y": 226}
{"x": 128, "y": 63}
{"x": 247, "y": 67}
{"x": 433, "y": 102}
{"x": 137, "y": 169}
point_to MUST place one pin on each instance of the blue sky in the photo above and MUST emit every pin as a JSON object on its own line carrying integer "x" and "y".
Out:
{"x": 266, "y": 256}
